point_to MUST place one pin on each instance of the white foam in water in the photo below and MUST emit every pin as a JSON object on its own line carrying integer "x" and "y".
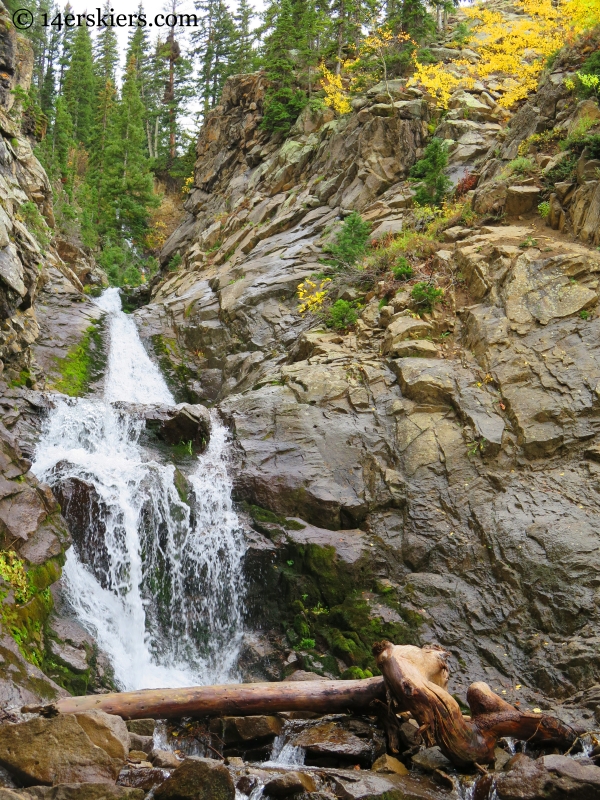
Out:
{"x": 284, "y": 753}
{"x": 163, "y": 596}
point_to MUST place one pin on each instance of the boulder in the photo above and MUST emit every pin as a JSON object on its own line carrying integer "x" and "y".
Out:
{"x": 164, "y": 759}
{"x": 351, "y": 785}
{"x": 403, "y": 327}
{"x": 83, "y": 791}
{"x": 431, "y": 759}
{"x": 290, "y": 783}
{"x": 389, "y": 764}
{"x": 181, "y": 423}
{"x": 522, "y": 200}
{"x": 420, "y": 348}
{"x": 143, "y": 744}
{"x": 141, "y": 727}
{"x": 198, "y": 779}
{"x": 249, "y": 729}
{"x": 59, "y": 750}
{"x": 549, "y": 778}
{"x": 329, "y": 744}
{"x": 107, "y": 731}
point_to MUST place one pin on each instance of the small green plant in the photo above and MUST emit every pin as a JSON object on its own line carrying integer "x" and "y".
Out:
{"x": 430, "y": 171}
{"x": 341, "y": 315}
{"x": 317, "y": 104}
{"x": 290, "y": 563}
{"x": 426, "y": 295}
{"x": 461, "y": 33}
{"x": 12, "y": 570}
{"x": 402, "y": 270}
{"x": 520, "y": 166}
{"x": 175, "y": 262}
{"x": 528, "y": 242}
{"x": 30, "y": 215}
{"x": 544, "y": 209}
{"x": 585, "y": 314}
{"x": 476, "y": 448}
{"x": 307, "y": 644}
{"x": 351, "y": 241}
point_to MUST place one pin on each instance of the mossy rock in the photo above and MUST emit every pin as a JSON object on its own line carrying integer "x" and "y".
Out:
{"x": 84, "y": 363}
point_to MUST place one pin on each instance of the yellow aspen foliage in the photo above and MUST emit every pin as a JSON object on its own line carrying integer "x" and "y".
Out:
{"x": 514, "y": 50}
{"x": 439, "y": 82}
{"x": 582, "y": 14}
{"x": 335, "y": 96}
{"x": 312, "y": 295}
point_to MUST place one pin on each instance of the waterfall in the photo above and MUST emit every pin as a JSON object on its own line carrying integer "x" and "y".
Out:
{"x": 156, "y": 580}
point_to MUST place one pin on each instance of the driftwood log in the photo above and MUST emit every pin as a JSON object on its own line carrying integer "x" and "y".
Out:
{"x": 234, "y": 699}
{"x": 417, "y": 679}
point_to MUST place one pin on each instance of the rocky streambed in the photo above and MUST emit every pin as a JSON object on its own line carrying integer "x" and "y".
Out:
{"x": 96, "y": 756}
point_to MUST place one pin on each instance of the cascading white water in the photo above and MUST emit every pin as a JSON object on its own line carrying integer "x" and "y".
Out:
{"x": 162, "y": 590}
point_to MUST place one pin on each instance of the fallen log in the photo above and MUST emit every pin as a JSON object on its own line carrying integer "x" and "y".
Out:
{"x": 464, "y": 741}
{"x": 235, "y": 699}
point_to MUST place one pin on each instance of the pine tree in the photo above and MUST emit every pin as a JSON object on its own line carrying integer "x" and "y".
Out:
{"x": 216, "y": 46}
{"x": 66, "y": 45}
{"x": 284, "y": 101}
{"x": 106, "y": 52}
{"x": 126, "y": 186}
{"x": 79, "y": 87}
{"x": 62, "y": 136}
{"x": 48, "y": 90}
{"x": 243, "y": 56}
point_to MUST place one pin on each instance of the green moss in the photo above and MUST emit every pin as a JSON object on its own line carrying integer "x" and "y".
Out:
{"x": 83, "y": 364}
{"x": 25, "y": 379}
{"x": 312, "y": 594}
{"x": 259, "y": 515}
{"x": 172, "y": 362}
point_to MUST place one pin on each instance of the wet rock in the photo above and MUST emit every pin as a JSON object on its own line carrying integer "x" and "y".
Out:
{"x": 549, "y": 778}
{"x": 290, "y": 783}
{"x": 198, "y": 779}
{"x": 331, "y": 744}
{"x": 141, "y": 727}
{"x": 431, "y": 759}
{"x": 59, "y": 750}
{"x": 251, "y": 729}
{"x": 302, "y": 675}
{"x": 142, "y": 776}
{"x": 363, "y": 785}
{"x": 84, "y": 791}
{"x": 164, "y": 759}
{"x": 389, "y": 764}
{"x": 137, "y": 757}
{"x": 182, "y": 423}
{"x": 143, "y": 744}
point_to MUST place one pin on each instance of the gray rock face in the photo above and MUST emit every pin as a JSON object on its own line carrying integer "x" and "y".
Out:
{"x": 460, "y": 468}
{"x": 548, "y": 778}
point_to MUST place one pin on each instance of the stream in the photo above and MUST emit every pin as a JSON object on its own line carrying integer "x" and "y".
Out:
{"x": 160, "y": 586}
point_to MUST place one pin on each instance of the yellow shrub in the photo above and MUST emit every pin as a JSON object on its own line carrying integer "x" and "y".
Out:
{"x": 311, "y": 295}
{"x": 335, "y": 96}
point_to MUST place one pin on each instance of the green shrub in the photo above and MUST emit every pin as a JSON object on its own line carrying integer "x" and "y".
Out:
{"x": 132, "y": 276}
{"x": 430, "y": 171}
{"x": 544, "y": 209}
{"x": 426, "y": 295}
{"x": 282, "y": 108}
{"x": 521, "y": 166}
{"x": 461, "y": 33}
{"x": 307, "y": 644}
{"x": 30, "y": 215}
{"x": 341, "y": 315}
{"x": 351, "y": 241}
{"x": 175, "y": 262}
{"x": 402, "y": 270}
{"x": 588, "y": 77}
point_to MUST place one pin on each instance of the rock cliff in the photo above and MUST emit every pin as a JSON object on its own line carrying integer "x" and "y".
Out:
{"x": 456, "y": 454}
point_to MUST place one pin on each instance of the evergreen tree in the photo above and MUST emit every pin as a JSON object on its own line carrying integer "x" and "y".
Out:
{"x": 67, "y": 37}
{"x": 284, "y": 100}
{"x": 126, "y": 186}
{"x": 48, "y": 90}
{"x": 106, "y": 53}
{"x": 243, "y": 56}
{"x": 79, "y": 87}
{"x": 62, "y": 136}
{"x": 215, "y": 45}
